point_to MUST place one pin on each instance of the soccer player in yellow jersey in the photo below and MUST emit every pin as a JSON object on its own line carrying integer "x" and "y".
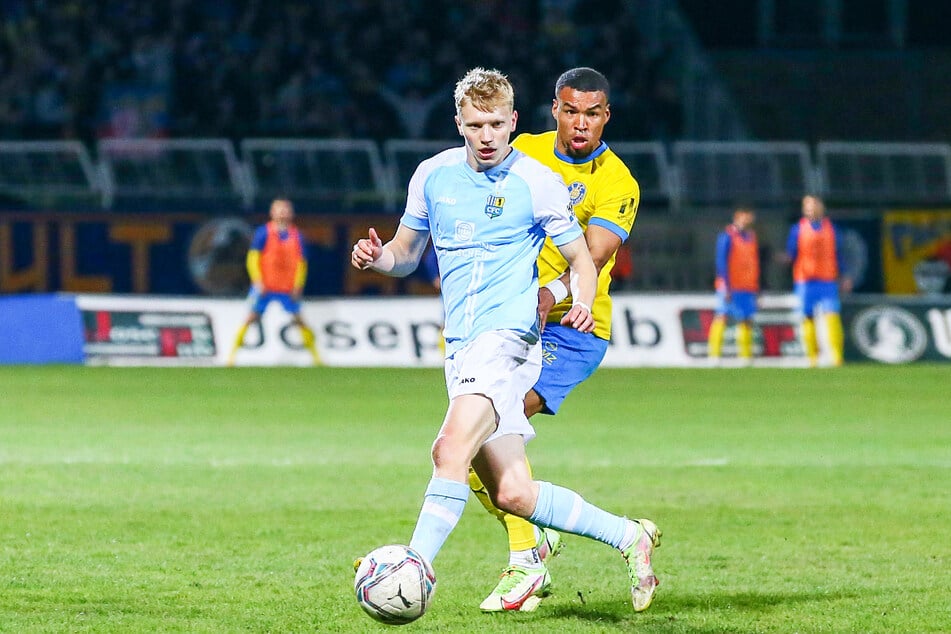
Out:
{"x": 605, "y": 197}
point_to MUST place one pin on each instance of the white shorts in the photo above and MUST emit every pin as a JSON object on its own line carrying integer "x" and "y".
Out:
{"x": 500, "y": 365}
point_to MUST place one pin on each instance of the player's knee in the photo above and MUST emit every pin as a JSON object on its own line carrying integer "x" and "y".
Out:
{"x": 447, "y": 454}
{"x": 514, "y": 498}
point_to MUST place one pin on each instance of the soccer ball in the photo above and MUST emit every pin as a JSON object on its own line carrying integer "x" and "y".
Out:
{"x": 394, "y": 584}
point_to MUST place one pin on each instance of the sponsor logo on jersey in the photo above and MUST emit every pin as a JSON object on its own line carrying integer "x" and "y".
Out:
{"x": 464, "y": 231}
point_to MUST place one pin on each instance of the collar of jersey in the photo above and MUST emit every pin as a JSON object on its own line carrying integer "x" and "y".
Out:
{"x": 601, "y": 149}
{"x": 497, "y": 171}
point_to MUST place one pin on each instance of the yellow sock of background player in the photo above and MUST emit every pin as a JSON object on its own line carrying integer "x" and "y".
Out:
{"x": 238, "y": 340}
{"x": 311, "y": 342}
{"x": 715, "y": 341}
{"x": 836, "y": 337}
{"x": 809, "y": 341}
{"x": 744, "y": 340}
{"x": 523, "y": 535}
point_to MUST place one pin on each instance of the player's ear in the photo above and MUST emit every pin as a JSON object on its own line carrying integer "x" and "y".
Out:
{"x": 554, "y": 109}
{"x": 514, "y": 119}
{"x": 607, "y": 113}
{"x": 459, "y": 125}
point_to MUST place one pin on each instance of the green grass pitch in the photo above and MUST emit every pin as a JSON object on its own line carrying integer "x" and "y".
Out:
{"x": 216, "y": 500}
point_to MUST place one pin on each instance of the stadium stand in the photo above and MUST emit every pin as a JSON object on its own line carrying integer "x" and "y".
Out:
{"x": 217, "y": 107}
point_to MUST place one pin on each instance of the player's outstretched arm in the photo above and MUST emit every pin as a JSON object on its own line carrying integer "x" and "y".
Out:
{"x": 584, "y": 284}
{"x": 398, "y": 258}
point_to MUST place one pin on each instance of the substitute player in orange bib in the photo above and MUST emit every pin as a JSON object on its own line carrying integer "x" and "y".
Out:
{"x": 814, "y": 249}
{"x": 737, "y": 284}
{"x": 277, "y": 266}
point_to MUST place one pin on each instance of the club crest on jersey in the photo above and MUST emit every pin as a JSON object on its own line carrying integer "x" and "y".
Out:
{"x": 576, "y": 191}
{"x": 493, "y": 206}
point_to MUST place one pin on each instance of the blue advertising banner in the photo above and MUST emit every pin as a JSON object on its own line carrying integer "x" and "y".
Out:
{"x": 40, "y": 329}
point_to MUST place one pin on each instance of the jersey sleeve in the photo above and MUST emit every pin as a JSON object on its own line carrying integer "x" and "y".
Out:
{"x": 416, "y": 213}
{"x": 259, "y": 239}
{"x": 253, "y": 264}
{"x": 553, "y": 208}
{"x": 723, "y": 254}
{"x": 792, "y": 243}
{"x": 617, "y": 204}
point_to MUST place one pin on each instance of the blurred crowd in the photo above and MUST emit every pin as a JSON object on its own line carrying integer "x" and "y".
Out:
{"x": 375, "y": 69}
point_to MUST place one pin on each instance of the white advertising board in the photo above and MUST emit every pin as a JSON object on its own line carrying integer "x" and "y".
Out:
{"x": 649, "y": 330}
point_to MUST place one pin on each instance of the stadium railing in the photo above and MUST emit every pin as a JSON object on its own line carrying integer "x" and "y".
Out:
{"x": 172, "y": 173}
{"x": 48, "y": 174}
{"x": 761, "y": 173}
{"x": 403, "y": 155}
{"x": 327, "y": 175}
{"x": 647, "y": 161}
{"x": 318, "y": 174}
{"x": 649, "y": 164}
{"x": 885, "y": 173}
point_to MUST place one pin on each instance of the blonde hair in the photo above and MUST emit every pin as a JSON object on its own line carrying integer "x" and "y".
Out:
{"x": 484, "y": 89}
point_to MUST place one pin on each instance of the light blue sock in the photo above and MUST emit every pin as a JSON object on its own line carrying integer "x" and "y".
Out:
{"x": 442, "y": 507}
{"x": 565, "y": 510}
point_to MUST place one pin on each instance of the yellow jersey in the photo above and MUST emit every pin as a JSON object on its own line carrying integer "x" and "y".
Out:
{"x": 603, "y": 193}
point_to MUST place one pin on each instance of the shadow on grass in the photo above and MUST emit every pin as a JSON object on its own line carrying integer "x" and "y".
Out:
{"x": 745, "y": 600}
{"x": 672, "y": 612}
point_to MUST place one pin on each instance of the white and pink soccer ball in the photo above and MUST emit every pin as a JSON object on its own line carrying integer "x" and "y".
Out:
{"x": 394, "y": 584}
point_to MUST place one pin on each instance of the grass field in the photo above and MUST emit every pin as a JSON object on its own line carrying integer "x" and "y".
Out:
{"x": 213, "y": 500}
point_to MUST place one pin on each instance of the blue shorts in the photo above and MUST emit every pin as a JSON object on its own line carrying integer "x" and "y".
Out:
{"x": 260, "y": 302}
{"x": 568, "y": 358}
{"x": 741, "y": 306}
{"x": 821, "y": 295}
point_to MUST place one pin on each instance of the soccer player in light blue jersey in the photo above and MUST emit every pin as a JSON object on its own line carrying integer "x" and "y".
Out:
{"x": 488, "y": 208}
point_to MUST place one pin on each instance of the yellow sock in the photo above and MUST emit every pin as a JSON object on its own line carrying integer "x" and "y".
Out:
{"x": 809, "y": 341}
{"x": 744, "y": 340}
{"x": 483, "y": 496}
{"x": 311, "y": 342}
{"x": 521, "y": 532}
{"x": 238, "y": 340}
{"x": 715, "y": 339}
{"x": 836, "y": 337}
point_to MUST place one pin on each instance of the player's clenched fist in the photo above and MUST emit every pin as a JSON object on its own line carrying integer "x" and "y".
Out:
{"x": 367, "y": 251}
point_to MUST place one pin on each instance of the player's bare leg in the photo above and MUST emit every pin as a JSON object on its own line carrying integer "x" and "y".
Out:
{"x": 530, "y": 547}
{"x": 502, "y": 468}
{"x": 526, "y": 578}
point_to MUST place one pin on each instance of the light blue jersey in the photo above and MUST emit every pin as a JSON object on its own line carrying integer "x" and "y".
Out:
{"x": 488, "y": 229}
